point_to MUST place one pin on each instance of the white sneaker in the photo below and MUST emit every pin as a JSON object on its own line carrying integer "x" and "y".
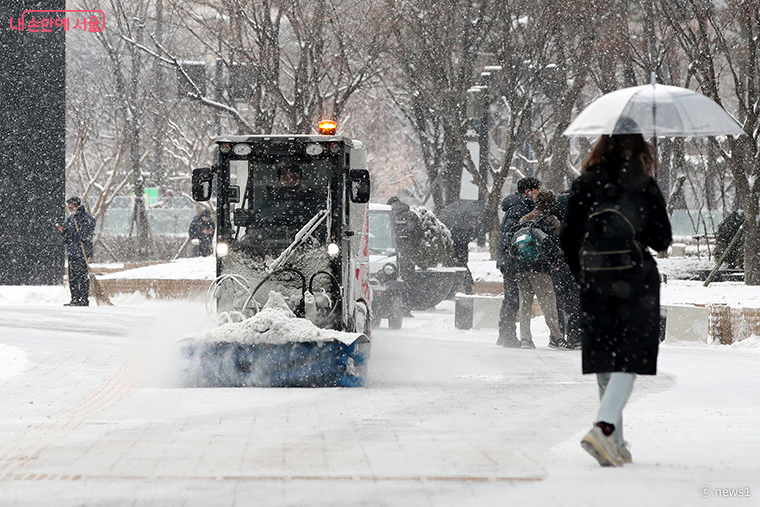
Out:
{"x": 603, "y": 448}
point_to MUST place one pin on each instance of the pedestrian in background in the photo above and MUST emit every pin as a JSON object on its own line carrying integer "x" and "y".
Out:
{"x": 201, "y": 233}
{"x": 620, "y": 320}
{"x": 566, "y": 288}
{"x": 515, "y": 206}
{"x": 409, "y": 234}
{"x": 534, "y": 278}
{"x": 467, "y": 220}
{"x": 560, "y": 207}
{"x": 78, "y": 230}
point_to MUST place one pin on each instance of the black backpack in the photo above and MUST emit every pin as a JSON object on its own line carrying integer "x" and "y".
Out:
{"x": 526, "y": 242}
{"x": 611, "y": 257}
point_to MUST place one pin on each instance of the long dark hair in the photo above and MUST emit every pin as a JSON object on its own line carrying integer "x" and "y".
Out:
{"x": 626, "y": 155}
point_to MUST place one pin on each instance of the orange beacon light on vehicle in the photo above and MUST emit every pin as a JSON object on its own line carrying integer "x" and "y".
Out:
{"x": 328, "y": 127}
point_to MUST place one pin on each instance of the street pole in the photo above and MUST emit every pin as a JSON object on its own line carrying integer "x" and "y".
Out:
{"x": 483, "y": 133}
{"x": 475, "y": 103}
{"x": 485, "y": 124}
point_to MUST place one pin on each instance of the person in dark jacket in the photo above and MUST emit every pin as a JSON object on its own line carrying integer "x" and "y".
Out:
{"x": 409, "y": 234}
{"x": 620, "y": 328}
{"x": 566, "y": 289}
{"x": 560, "y": 207}
{"x": 467, "y": 220}
{"x": 515, "y": 206}
{"x": 202, "y": 229}
{"x": 534, "y": 278}
{"x": 78, "y": 230}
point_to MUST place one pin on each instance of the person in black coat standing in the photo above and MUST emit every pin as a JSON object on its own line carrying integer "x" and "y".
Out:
{"x": 566, "y": 289}
{"x": 409, "y": 234}
{"x": 515, "y": 206}
{"x": 620, "y": 327}
{"x": 534, "y": 278}
{"x": 78, "y": 230}
{"x": 202, "y": 229}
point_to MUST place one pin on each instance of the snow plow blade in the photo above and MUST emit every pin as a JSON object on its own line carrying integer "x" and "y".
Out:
{"x": 292, "y": 364}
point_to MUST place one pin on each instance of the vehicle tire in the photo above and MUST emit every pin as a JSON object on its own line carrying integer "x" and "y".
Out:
{"x": 396, "y": 317}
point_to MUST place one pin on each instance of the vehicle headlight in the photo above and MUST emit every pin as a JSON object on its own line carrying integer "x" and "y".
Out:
{"x": 390, "y": 270}
{"x": 222, "y": 249}
{"x": 333, "y": 249}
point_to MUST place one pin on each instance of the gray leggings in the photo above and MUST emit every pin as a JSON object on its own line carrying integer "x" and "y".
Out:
{"x": 614, "y": 391}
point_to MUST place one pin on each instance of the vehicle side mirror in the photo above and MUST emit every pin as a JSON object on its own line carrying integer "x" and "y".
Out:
{"x": 201, "y": 182}
{"x": 360, "y": 185}
{"x": 233, "y": 194}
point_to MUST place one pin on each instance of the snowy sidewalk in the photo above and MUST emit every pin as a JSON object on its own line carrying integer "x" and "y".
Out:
{"x": 94, "y": 415}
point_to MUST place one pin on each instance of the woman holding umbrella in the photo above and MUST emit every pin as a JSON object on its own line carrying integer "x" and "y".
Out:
{"x": 620, "y": 319}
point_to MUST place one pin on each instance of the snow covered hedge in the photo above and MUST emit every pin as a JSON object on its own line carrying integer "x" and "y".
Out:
{"x": 436, "y": 247}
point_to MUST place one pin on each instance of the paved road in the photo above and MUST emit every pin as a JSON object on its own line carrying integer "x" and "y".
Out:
{"x": 100, "y": 418}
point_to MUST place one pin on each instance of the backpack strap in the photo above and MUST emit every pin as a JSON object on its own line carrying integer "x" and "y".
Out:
{"x": 622, "y": 194}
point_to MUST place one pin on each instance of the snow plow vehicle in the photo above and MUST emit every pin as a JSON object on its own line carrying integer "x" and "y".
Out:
{"x": 291, "y": 296}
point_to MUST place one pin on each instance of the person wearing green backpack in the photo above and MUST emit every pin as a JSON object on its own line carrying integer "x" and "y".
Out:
{"x": 515, "y": 206}
{"x": 533, "y": 272}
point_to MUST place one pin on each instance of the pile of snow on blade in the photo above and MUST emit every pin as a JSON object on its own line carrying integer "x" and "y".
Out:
{"x": 276, "y": 324}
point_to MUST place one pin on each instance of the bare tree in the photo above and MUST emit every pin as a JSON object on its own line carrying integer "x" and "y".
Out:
{"x": 279, "y": 65}
{"x": 334, "y": 51}
{"x": 94, "y": 161}
{"x": 562, "y": 62}
{"x": 434, "y": 48}
{"x": 393, "y": 155}
{"x": 127, "y": 66}
{"x": 721, "y": 44}
{"x": 287, "y": 63}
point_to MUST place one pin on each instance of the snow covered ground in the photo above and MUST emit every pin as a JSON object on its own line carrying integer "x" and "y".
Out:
{"x": 93, "y": 414}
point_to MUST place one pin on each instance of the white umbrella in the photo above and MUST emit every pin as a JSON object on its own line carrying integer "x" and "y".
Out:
{"x": 659, "y": 110}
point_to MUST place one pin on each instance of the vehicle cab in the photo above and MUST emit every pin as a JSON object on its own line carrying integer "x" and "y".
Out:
{"x": 291, "y": 217}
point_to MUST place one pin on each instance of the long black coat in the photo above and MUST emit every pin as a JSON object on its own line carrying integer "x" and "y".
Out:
{"x": 619, "y": 334}
{"x": 408, "y": 230}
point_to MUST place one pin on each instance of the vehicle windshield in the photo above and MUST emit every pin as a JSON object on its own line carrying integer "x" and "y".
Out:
{"x": 281, "y": 197}
{"x": 381, "y": 238}
{"x": 271, "y": 183}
